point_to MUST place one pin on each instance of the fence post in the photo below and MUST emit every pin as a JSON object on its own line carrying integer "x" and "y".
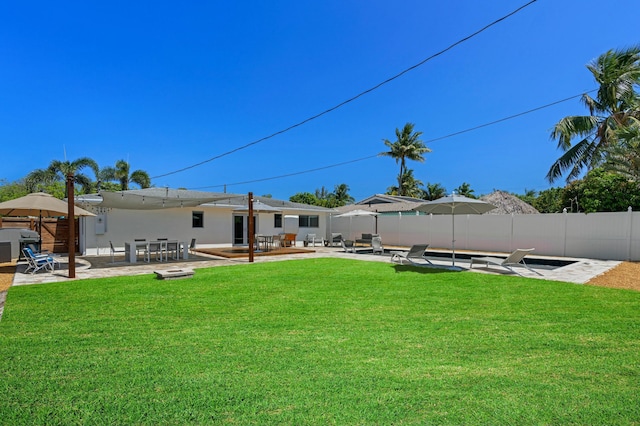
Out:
{"x": 630, "y": 211}
{"x": 564, "y": 245}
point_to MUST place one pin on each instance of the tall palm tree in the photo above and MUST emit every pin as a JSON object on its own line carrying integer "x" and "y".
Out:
{"x": 618, "y": 74}
{"x": 58, "y": 171}
{"x": 406, "y": 146}
{"x": 139, "y": 177}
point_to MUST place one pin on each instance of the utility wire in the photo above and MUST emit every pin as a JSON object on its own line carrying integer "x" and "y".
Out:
{"x": 435, "y": 55}
{"x": 450, "y": 135}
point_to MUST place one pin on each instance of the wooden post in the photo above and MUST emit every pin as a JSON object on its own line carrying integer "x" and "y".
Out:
{"x": 252, "y": 234}
{"x": 71, "y": 244}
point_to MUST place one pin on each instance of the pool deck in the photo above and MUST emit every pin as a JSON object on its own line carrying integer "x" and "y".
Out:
{"x": 579, "y": 272}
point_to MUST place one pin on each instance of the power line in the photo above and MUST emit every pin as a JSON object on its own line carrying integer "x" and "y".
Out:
{"x": 450, "y": 135}
{"x": 291, "y": 174}
{"x": 377, "y": 86}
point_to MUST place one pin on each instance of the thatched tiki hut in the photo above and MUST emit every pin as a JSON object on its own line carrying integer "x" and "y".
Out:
{"x": 508, "y": 204}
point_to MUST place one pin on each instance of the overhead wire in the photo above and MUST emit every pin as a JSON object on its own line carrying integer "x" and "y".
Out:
{"x": 450, "y": 135}
{"x": 341, "y": 104}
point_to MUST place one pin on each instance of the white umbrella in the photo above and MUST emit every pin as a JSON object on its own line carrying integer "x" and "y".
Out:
{"x": 355, "y": 213}
{"x": 453, "y": 205}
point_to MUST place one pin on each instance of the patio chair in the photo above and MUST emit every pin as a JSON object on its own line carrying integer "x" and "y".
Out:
{"x": 172, "y": 247}
{"x": 376, "y": 245}
{"x": 414, "y": 256}
{"x": 515, "y": 259}
{"x": 348, "y": 246}
{"x": 192, "y": 246}
{"x": 114, "y": 251}
{"x": 312, "y": 239}
{"x": 37, "y": 262}
{"x": 157, "y": 247}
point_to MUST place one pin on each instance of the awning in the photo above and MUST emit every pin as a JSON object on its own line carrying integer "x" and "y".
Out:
{"x": 158, "y": 198}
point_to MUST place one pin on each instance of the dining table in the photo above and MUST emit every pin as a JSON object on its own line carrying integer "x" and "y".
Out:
{"x": 158, "y": 246}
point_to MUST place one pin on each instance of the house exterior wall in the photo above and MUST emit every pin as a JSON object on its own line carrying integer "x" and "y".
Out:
{"x": 612, "y": 236}
{"x": 120, "y": 225}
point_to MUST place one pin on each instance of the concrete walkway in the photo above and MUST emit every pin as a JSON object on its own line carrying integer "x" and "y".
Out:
{"x": 580, "y": 272}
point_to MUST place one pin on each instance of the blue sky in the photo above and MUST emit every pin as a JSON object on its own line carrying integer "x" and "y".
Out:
{"x": 166, "y": 85}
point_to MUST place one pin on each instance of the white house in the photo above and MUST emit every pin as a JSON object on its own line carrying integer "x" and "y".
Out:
{"x": 213, "y": 219}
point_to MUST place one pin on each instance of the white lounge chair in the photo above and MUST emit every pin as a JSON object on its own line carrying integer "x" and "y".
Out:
{"x": 515, "y": 259}
{"x": 348, "y": 246}
{"x": 414, "y": 256}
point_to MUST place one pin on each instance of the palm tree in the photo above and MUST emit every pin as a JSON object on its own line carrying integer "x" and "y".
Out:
{"x": 623, "y": 158}
{"x": 618, "y": 73}
{"x": 139, "y": 177}
{"x": 407, "y": 146}
{"x": 411, "y": 186}
{"x": 341, "y": 195}
{"x": 58, "y": 171}
{"x": 434, "y": 191}
{"x": 465, "y": 190}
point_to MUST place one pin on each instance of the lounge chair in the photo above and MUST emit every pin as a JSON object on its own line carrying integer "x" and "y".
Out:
{"x": 37, "y": 262}
{"x": 348, "y": 246}
{"x": 515, "y": 259}
{"x": 414, "y": 256}
{"x": 376, "y": 245}
{"x": 192, "y": 246}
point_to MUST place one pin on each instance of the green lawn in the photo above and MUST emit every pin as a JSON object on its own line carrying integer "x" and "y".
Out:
{"x": 320, "y": 341}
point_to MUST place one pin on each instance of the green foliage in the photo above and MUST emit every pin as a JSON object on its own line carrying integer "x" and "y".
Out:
{"x": 615, "y": 107}
{"x": 411, "y": 187}
{"x": 12, "y": 190}
{"x": 465, "y": 190}
{"x": 320, "y": 341}
{"x": 433, "y": 191}
{"x": 339, "y": 197}
{"x": 602, "y": 191}
{"x": 407, "y": 145}
{"x": 305, "y": 198}
{"x": 550, "y": 200}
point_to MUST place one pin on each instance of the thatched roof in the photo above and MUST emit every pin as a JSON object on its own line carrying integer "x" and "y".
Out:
{"x": 507, "y": 203}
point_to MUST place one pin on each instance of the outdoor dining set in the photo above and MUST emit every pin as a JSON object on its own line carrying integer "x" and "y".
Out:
{"x": 160, "y": 249}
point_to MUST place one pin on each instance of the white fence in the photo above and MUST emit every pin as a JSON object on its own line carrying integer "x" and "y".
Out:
{"x": 611, "y": 236}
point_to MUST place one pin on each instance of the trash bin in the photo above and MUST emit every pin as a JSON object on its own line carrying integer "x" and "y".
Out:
{"x": 5, "y": 251}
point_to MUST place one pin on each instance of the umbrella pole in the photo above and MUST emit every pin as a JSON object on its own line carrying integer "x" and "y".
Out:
{"x": 453, "y": 241}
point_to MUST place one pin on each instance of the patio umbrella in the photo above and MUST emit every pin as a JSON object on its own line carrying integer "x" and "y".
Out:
{"x": 39, "y": 204}
{"x": 453, "y": 205}
{"x": 356, "y": 213}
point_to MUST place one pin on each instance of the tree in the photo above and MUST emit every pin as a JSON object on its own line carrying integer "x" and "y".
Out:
{"x": 410, "y": 184}
{"x": 433, "y": 191}
{"x": 601, "y": 191}
{"x": 407, "y": 146}
{"x": 58, "y": 171}
{"x": 341, "y": 195}
{"x": 139, "y": 177}
{"x": 12, "y": 190}
{"x": 618, "y": 73}
{"x": 304, "y": 198}
{"x": 549, "y": 201}
{"x": 623, "y": 158}
{"x": 465, "y": 190}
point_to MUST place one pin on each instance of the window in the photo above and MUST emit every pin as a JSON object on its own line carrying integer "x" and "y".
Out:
{"x": 277, "y": 220}
{"x": 197, "y": 219}
{"x": 305, "y": 221}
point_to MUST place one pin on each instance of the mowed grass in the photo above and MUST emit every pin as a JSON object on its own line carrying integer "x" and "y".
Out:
{"x": 320, "y": 341}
